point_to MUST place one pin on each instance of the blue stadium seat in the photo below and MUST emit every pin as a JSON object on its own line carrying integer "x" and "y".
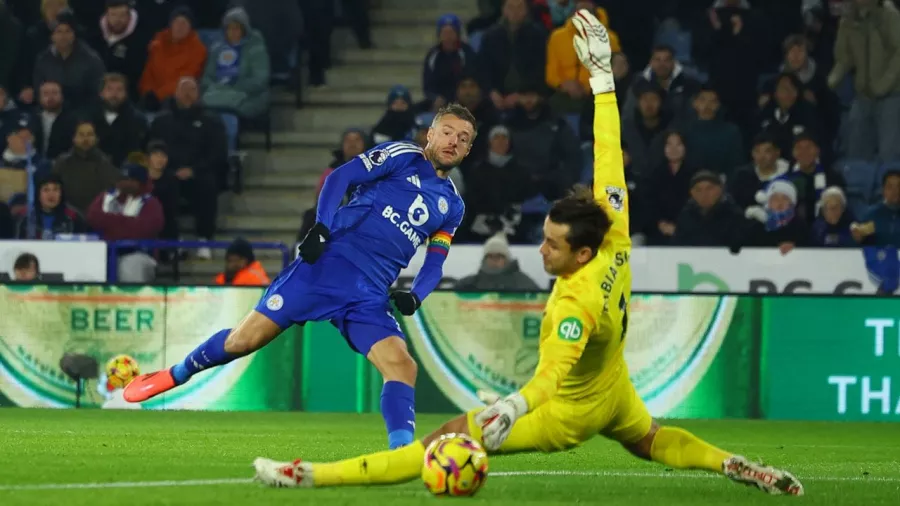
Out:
{"x": 210, "y": 36}
{"x": 861, "y": 183}
{"x": 671, "y": 34}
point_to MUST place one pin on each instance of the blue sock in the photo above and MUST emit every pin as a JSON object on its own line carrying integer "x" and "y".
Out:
{"x": 398, "y": 407}
{"x": 209, "y": 354}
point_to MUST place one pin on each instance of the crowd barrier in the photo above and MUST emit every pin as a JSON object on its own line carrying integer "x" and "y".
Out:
{"x": 690, "y": 356}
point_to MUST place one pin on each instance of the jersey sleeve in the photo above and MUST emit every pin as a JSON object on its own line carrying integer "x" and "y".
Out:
{"x": 571, "y": 327}
{"x": 610, "y": 189}
{"x": 376, "y": 163}
{"x": 429, "y": 276}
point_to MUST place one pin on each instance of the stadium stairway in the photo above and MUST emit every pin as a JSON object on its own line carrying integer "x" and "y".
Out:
{"x": 280, "y": 185}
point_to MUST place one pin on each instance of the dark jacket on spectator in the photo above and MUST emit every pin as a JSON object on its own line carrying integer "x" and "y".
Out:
{"x": 511, "y": 278}
{"x": 507, "y": 60}
{"x": 796, "y": 231}
{"x": 547, "y": 150}
{"x": 195, "y": 139}
{"x": 645, "y": 145}
{"x": 495, "y": 186}
{"x": 165, "y": 189}
{"x": 715, "y": 145}
{"x": 65, "y": 219}
{"x": 810, "y": 188}
{"x": 125, "y": 53}
{"x": 11, "y": 46}
{"x": 124, "y": 135}
{"x": 36, "y": 41}
{"x": 393, "y": 126}
{"x": 887, "y": 225}
{"x": 785, "y": 125}
{"x": 443, "y": 70}
{"x": 678, "y": 95}
{"x": 746, "y": 182}
{"x": 81, "y": 74}
{"x": 827, "y": 235}
{"x": 486, "y": 117}
{"x": 6, "y": 222}
{"x": 116, "y": 225}
{"x": 60, "y": 134}
{"x": 84, "y": 175}
{"x": 721, "y": 226}
{"x": 667, "y": 192}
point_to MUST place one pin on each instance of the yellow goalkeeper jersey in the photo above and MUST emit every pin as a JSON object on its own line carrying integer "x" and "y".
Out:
{"x": 586, "y": 318}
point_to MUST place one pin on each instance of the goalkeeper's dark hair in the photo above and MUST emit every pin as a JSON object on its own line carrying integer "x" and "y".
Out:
{"x": 458, "y": 110}
{"x": 587, "y": 220}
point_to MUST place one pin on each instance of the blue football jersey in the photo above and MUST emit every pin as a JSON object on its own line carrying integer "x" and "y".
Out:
{"x": 399, "y": 205}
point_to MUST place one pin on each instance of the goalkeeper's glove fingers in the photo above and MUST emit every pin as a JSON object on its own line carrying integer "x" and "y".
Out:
{"x": 593, "y": 49}
{"x": 406, "y": 302}
{"x": 313, "y": 244}
{"x": 488, "y": 397}
{"x": 497, "y": 420}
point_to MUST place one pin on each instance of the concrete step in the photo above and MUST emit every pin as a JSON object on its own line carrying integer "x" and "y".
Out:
{"x": 327, "y": 116}
{"x": 419, "y": 14}
{"x": 382, "y": 56}
{"x": 282, "y": 180}
{"x": 282, "y": 222}
{"x": 288, "y": 238}
{"x": 455, "y": 6}
{"x": 309, "y": 139}
{"x": 351, "y": 98}
{"x": 275, "y": 201}
{"x": 292, "y": 160}
{"x": 380, "y": 77}
{"x": 419, "y": 37}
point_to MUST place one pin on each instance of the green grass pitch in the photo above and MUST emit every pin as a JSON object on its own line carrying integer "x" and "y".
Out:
{"x": 96, "y": 458}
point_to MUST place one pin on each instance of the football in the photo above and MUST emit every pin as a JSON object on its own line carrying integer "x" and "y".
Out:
{"x": 455, "y": 465}
{"x": 120, "y": 370}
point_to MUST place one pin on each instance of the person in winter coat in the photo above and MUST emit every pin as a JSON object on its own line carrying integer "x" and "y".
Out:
{"x": 85, "y": 170}
{"x": 811, "y": 177}
{"x": 499, "y": 272}
{"x": 70, "y": 62}
{"x": 174, "y": 53}
{"x": 11, "y": 42}
{"x": 777, "y": 224}
{"x": 51, "y": 213}
{"x": 470, "y": 95}
{"x": 880, "y": 225}
{"x": 129, "y": 211}
{"x": 37, "y": 39}
{"x": 237, "y": 71}
{"x": 122, "y": 42}
{"x": 788, "y": 115}
{"x": 165, "y": 186}
{"x": 832, "y": 228}
{"x": 399, "y": 118}
{"x": 643, "y": 129}
{"x": 121, "y": 127}
{"x": 667, "y": 74}
{"x": 710, "y": 218}
{"x": 447, "y": 63}
{"x": 751, "y": 179}
{"x": 669, "y": 189}
{"x": 241, "y": 266}
{"x": 6, "y": 222}
{"x": 715, "y": 144}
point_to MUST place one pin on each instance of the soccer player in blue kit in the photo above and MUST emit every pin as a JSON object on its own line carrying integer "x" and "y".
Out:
{"x": 348, "y": 262}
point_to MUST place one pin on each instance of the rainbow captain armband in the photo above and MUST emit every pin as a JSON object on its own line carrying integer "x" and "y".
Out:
{"x": 440, "y": 242}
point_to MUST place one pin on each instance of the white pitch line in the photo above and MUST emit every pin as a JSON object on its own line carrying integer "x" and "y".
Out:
{"x": 497, "y": 474}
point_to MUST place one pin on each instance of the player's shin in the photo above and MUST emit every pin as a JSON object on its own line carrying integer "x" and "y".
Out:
{"x": 383, "y": 468}
{"x": 679, "y": 449}
{"x": 209, "y": 354}
{"x": 398, "y": 407}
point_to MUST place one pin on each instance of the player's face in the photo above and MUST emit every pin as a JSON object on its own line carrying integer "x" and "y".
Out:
{"x": 559, "y": 259}
{"x": 449, "y": 141}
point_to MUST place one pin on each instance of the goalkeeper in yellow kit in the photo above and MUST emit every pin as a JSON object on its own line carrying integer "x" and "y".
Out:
{"x": 581, "y": 386}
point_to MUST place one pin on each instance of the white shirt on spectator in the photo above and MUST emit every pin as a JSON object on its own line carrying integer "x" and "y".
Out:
{"x": 47, "y": 120}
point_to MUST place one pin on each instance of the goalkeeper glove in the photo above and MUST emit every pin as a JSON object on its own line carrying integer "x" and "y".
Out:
{"x": 592, "y": 47}
{"x": 406, "y": 302}
{"x": 313, "y": 244}
{"x": 497, "y": 420}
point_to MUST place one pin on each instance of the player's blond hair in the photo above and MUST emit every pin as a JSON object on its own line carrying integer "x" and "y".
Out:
{"x": 588, "y": 222}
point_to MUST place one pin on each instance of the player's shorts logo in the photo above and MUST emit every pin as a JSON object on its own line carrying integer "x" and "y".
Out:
{"x": 616, "y": 197}
{"x": 443, "y": 206}
{"x": 378, "y": 157}
{"x": 275, "y": 302}
{"x": 570, "y": 329}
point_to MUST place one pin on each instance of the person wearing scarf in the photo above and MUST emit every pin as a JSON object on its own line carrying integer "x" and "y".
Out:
{"x": 775, "y": 224}
{"x": 810, "y": 176}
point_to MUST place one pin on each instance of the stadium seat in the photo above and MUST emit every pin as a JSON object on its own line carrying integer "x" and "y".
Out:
{"x": 671, "y": 34}
{"x": 861, "y": 183}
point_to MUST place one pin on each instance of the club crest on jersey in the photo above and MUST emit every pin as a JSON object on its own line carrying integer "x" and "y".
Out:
{"x": 616, "y": 197}
{"x": 443, "y": 206}
{"x": 570, "y": 329}
{"x": 378, "y": 157}
{"x": 275, "y": 302}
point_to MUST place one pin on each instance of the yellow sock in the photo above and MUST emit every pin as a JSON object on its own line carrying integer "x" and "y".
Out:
{"x": 387, "y": 467}
{"x": 680, "y": 449}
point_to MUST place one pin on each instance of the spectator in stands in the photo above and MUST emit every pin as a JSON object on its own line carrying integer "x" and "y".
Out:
{"x": 488, "y": 14}
{"x": 174, "y": 53}
{"x": 564, "y": 73}
{"x": 419, "y": 133}
{"x": 398, "y": 119}
{"x": 669, "y": 187}
{"x": 9, "y": 116}
{"x": 638, "y": 207}
{"x": 751, "y": 179}
{"x": 623, "y": 77}
{"x": 129, "y": 212}
{"x": 545, "y": 145}
{"x": 710, "y": 218}
{"x": 470, "y": 96}
{"x": 317, "y": 16}
{"x": 788, "y": 115}
{"x": 123, "y": 41}
{"x": 121, "y": 128}
{"x": 70, "y": 62}
{"x": 715, "y": 144}
{"x": 37, "y": 39}
{"x": 820, "y": 31}
{"x": 643, "y": 129}
{"x": 6, "y": 222}
{"x": 11, "y": 42}
{"x": 499, "y": 271}
{"x": 497, "y": 189}
{"x": 281, "y": 25}
{"x": 164, "y": 186}
{"x": 197, "y": 149}
{"x": 447, "y": 63}
{"x": 777, "y": 224}
{"x": 236, "y": 77}
{"x": 832, "y": 227}
{"x": 19, "y": 152}
{"x": 26, "y": 268}
{"x": 85, "y": 170}
{"x": 55, "y": 123}
{"x": 51, "y": 213}
{"x": 811, "y": 177}
{"x": 868, "y": 42}
{"x": 512, "y": 52}
{"x": 667, "y": 74}
{"x": 241, "y": 266}
{"x": 877, "y": 227}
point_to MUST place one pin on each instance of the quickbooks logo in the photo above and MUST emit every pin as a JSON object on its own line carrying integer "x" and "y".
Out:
{"x": 690, "y": 280}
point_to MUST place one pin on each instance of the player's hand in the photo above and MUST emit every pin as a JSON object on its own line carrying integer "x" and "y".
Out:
{"x": 497, "y": 420}
{"x": 313, "y": 244}
{"x": 406, "y": 302}
{"x": 592, "y": 47}
{"x": 487, "y": 397}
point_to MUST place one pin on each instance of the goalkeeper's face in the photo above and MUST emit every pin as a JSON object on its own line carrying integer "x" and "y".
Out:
{"x": 449, "y": 141}
{"x": 559, "y": 257}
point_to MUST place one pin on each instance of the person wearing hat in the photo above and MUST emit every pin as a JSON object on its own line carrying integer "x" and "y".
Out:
{"x": 16, "y": 157}
{"x": 129, "y": 212}
{"x": 832, "y": 227}
{"x": 775, "y": 222}
{"x": 399, "y": 118}
{"x": 447, "y": 62}
{"x": 70, "y": 62}
{"x": 241, "y": 266}
{"x": 710, "y": 217}
{"x": 173, "y": 53}
{"x": 122, "y": 42}
{"x": 499, "y": 271}
{"x": 51, "y": 214}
